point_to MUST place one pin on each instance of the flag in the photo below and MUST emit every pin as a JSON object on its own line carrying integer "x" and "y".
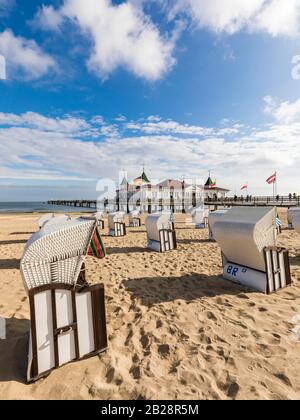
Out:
{"x": 213, "y": 185}
{"x": 272, "y": 179}
{"x": 96, "y": 248}
{"x": 244, "y": 187}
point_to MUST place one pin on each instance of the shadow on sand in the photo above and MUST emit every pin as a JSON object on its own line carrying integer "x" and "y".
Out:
{"x": 22, "y": 233}
{"x": 14, "y": 350}
{"x": 12, "y": 264}
{"x": 154, "y": 290}
{"x": 132, "y": 250}
{"x": 19, "y": 241}
{"x": 195, "y": 241}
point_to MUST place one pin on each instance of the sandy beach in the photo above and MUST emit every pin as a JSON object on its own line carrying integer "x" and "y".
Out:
{"x": 177, "y": 330}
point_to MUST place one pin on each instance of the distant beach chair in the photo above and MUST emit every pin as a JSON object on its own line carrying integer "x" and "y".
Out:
{"x": 161, "y": 232}
{"x": 213, "y": 217}
{"x": 200, "y": 217}
{"x": 278, "y": 225}
{"x": 67, "y": 314}
{"x": 44, "y": 219}
{"x": 292, "y": 212}
{"x": 134, "y": 218}
{"x": 116, "y": 224}
{"x": 100, "y": 220}
{"x": 247, "y": 238}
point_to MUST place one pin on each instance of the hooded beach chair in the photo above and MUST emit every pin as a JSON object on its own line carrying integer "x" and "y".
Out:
{"x": 44, "y": 219}
{"x": 100, "y": 220}
{"x": 161, "y": 234}
{"x": 213, "y": 217}
{"x": 247, "y": 237}
{"x": 67, "y": 314}
{"x": 134, "y": 218}
{"x": 200, "y": 217}
{"x": 54, "y": 220}
{"x": 116, "y": 224}
{"x": 292, "y": 212}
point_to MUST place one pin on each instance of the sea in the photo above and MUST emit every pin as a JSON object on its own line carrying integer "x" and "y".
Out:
{"x": 38, "y": 207}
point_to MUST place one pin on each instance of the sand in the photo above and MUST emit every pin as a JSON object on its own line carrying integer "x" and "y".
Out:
{"x": 177, "y": 330}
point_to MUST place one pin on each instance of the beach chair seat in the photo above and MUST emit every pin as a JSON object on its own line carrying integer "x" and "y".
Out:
{"x": 247, "y": 237}
{"x": 292, "y": 212}
{"x": 161, "y": 233}
{"x": 116, "y": 223}
{"x": 134, "y": 219}
{"x": 67, "y": 314}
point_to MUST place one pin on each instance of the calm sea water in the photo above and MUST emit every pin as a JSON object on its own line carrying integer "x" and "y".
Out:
{"x": 30, "y": 207}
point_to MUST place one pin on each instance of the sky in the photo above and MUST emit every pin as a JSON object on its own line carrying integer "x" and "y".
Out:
{"x": 182, "y": 87}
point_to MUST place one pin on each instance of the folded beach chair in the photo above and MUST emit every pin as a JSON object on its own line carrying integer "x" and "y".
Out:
{"x": 161, "y": 232}
{"x": 292, "y": 212}
{"x": 134, "y": 219}
{"x": 67, "y": 314}
{"x": 116, "y": 224}
{"x": 213, "y": 217}
{"x": 247, "y": 238}
{"x": 200, "y": 217}
{"x": 100, "y": 220}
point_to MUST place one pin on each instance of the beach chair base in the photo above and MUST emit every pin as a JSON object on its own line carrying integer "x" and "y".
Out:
{"x": 277, "y": 275}
{"x": 168, "y": 241}
{"x": 66, "y": 325}
{"x": 136, "y": 222}
{"x": 119, "y": 230}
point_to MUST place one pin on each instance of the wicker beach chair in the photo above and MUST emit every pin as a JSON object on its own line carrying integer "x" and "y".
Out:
{"x": 116, "y": 224}
{"x": 100, "y": 221}
{"x": 67, "y": 314}
{"x": 44, "y": 219}
{"x": 55, "y": 220}
{"x": 161, "y": 234}
{"x": 200, "y": 217}
{"x": 247, "y": 237}
{"x": 292, "y": 212}
{"x": 134, "y": 218}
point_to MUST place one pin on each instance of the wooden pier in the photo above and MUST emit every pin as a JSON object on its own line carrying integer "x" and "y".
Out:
{"x": 279, "y": 201}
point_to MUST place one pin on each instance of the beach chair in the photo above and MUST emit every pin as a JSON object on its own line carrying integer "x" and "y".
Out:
{"x": 134, "y": 219}
{"x": 100, "y": 220}
{"x": 213, "y": 217}
{"x": 67, "y": 314}
{"x": 247, "y": 238}
{"x": 292, "y": 212}
{"x": 44, "y": 219}
{"x": 116, "y": 224}
{"x": 200, "y": 217}
{"x": 278, "y": 225}
{"x": 55, "y": 219}
{"x": 161, "y": 234}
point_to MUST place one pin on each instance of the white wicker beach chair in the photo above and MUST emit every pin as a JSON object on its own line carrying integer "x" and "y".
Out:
{"x": 134, "y": 218}
{"x": 200, "y": 217}
{"x": 161, "y": 234}
{"x": 247, "y": 237}
{"x": 213, "y": 217}
{"x": 116, "y": 224}
{"x": 100, "y": 221}
{"x": 292, "y": 212}
{"x": 67, "y": 315}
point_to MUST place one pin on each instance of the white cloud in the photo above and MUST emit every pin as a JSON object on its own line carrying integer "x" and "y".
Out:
{"x": 284, "y": 112}
{"x": 275, "y": 17}
{"x": 6, "y": 6}
{"x": 47, "y": 18}
{"x": 121, "y": 36}
{"x": 35, "y": 146}
{"x": 24, "y": 58}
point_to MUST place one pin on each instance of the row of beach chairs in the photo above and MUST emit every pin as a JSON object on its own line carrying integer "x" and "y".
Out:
{"x": 68, "y": 314}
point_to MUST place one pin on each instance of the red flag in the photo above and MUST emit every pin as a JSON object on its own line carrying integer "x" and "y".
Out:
{"x": 272, "y": 179}
{"x": 244, "y": 187}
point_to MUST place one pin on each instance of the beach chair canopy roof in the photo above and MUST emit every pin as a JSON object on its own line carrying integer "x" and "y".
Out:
{"x": 214, "y": 216}
{"x": 292, "y": 212}
{"x": 198, "y": 214}
{"x": 44, "y": 219}
{"x": 98, "y": 215}
{"x": 243, "y": 233}
{"x": 56, "y": 253}
{"x": 296, "y": 222}
{"x": 56, "y": 220}
{"x": 156, "y": 222}
{"x": 135, "y": 213}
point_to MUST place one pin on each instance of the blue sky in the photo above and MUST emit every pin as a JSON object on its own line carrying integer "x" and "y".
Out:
{"x": 183, "y": 86}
